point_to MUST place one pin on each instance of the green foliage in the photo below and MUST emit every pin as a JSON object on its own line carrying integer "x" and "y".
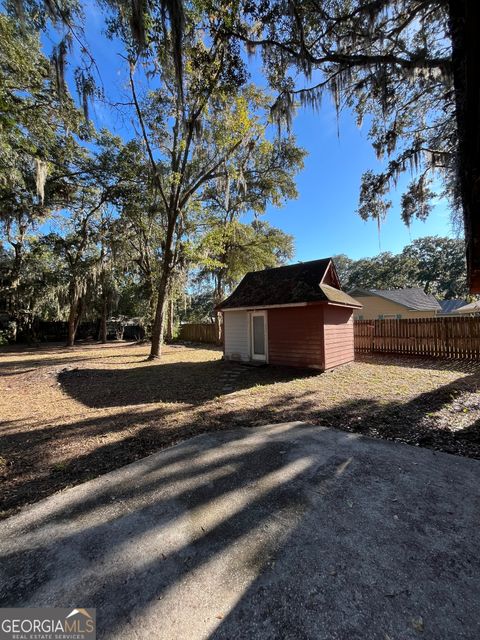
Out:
{"x": 202, "y": 133}
{"x": 198, "y": 306}
{"x": 234, "y": 248}
{"x": 74, "y": 244}
{"x": 33, "y": 122}
{"x": 115, "y": 225}
{"x": 259, "y": 174}
{"x": 39, "y": 135}
{"x": 389, "y": 62}
{"x": 434, "y": 264}
{"x": 439, "y": 266}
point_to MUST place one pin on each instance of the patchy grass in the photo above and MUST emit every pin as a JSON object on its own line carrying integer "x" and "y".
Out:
{"x": 71, "y": 414}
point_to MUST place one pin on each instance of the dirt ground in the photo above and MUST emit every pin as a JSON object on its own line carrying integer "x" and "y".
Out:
{"x": 68, "y": 415}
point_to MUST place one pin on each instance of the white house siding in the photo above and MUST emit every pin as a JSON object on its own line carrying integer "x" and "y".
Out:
{"x": 236, "y": 335}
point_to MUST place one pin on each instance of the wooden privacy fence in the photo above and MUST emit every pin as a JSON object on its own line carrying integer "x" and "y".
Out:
{"x": 439, "y": 337}
{"x": 199, "y": 332}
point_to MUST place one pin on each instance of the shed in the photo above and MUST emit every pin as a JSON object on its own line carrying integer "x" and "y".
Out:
{"x": 295, "y": 315}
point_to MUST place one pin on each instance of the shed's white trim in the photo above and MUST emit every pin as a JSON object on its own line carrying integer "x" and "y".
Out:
{"x": 269, "y": 306}
{"x": 264, "y": 315}
{"x": 331, "y": 265}
{"x": 291, "y": 304}
{"x": 344, "y": 306}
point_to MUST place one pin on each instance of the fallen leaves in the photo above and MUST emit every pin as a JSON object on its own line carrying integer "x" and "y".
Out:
{"x": 418, "y": 624}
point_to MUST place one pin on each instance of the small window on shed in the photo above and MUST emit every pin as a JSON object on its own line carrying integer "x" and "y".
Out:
{"x": 399, "y": 316}
{"x": 359, "y": 317}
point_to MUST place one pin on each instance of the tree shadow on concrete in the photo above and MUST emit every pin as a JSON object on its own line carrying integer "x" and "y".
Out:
{"x": 144, "y": 485}
{"x": 293, "y": 532}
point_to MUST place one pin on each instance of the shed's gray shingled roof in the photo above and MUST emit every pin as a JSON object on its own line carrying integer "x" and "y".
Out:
{"x": 291, "y": 284}
{"x": 415, "y": 299}
{"x": 449, "y": 306}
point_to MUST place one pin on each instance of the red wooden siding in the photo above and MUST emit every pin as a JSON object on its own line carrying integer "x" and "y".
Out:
{"x": 295, "y": 336}
{"x": 338, "y": 328}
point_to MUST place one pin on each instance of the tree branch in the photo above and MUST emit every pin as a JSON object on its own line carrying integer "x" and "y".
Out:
{"x": 144, "y": 133}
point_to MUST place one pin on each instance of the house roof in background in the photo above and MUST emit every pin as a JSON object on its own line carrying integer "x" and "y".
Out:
{"x": 292, "y": 284}
{"x": 414, "y": 299}
{"x": 449, "y": 306}
{"x": 473, "y": 307}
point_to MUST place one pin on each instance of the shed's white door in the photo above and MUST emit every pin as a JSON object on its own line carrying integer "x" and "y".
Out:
{"x": 258, "y": 335}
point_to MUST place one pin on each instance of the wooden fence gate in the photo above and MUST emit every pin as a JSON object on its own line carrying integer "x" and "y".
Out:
{"x": 438, "y": 337}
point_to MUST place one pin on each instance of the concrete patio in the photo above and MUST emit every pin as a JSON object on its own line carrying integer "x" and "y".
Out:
{"x": 287, "y": 531}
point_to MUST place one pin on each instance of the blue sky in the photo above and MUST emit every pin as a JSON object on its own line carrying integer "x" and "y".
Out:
{"x": 322, "y": 220}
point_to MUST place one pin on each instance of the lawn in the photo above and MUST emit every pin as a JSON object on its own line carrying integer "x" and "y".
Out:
{"x": 68, "y": 415}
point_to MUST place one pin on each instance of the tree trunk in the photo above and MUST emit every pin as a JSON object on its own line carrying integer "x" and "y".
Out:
{"x": 14, "y": 303}
{"x": 72, "y": 324}
{"x": 218, "y": 297}
{"x": 79, "y": 313}
{"x": 163, "y": 292}
{"x": 74, "y": 316}
{"x": 169, "y": 334}
{"x": 218, "y": 327}
{"x": 159, "y": 320}
{"x": 464, "y": 17}
{"x": 103, "y": 321}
